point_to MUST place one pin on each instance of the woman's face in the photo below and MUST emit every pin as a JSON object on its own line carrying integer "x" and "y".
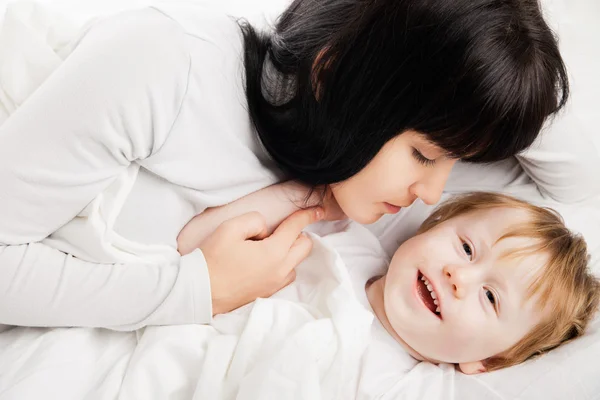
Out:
{"x": 406, "y": 168}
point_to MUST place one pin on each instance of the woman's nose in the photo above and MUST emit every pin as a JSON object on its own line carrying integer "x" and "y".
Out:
{"x": 430, "y": 189}
{"x": 429, "y": 194}
{"x": 459, "y": 279}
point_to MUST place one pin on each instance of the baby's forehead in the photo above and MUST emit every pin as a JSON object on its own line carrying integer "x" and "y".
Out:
{"x": 519, "y": 254}
{"x": 503, "y": 233}
{"x": 491, "y": 224}
{"x": 511, "y": 242}
{"x": 501, "y": 216}
{"x": 520, "y": 262}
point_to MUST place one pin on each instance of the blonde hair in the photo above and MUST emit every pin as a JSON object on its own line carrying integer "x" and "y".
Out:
{"x": 567, "y": 291}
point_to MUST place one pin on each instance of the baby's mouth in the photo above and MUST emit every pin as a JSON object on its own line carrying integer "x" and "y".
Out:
{"x": 428, "y": 295}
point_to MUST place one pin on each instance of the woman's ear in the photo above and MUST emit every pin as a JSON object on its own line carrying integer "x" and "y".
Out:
{"x": 472, "y": 368}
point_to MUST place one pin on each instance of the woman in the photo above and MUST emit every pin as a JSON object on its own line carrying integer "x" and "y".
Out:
{"x": 161, "y": 113}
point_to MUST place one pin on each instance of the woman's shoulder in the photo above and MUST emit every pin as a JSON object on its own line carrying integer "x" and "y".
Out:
{"x": 133, "y": 51}
{"x": 166, "y": 36}
{"x": 204, "y": 22}
{"x": 138, "y": 30}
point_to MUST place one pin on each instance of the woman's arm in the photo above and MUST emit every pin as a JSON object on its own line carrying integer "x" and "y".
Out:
{"x": 112, "y": 102}
{"x": 43, "y": 287}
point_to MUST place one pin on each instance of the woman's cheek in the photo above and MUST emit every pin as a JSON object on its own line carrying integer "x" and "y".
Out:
{"x": 352, "y": 202}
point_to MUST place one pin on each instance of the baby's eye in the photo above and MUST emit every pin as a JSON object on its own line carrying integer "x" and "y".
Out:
{"x": 468, "y": 250}
{"x": 490, "y": 295}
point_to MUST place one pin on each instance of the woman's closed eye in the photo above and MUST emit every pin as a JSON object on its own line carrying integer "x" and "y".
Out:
{"x": 422, "y": 159}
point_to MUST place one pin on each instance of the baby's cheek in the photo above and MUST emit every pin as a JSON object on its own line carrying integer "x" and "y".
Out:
{"x": 466, "y": 333}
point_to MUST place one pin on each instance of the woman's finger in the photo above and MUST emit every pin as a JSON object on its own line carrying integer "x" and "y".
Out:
{"x": 297, "y": 253}
{"x": 289, "y": 279}
{"x": 287, "y": 232}
{"x": 251, "y": 225}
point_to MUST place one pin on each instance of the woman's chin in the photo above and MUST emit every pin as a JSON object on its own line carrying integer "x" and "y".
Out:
{"x": 364, "y": 218}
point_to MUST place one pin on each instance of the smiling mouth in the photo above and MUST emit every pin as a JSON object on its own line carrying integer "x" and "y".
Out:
{"x": 428, "y": 295}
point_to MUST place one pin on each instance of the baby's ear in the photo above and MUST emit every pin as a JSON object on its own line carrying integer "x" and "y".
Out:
{"x": 472, "y": 368}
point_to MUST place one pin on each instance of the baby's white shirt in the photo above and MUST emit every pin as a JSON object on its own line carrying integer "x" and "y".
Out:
{"x": 385, "y": 362}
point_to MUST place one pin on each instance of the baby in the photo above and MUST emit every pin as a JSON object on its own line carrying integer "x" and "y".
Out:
{"x": 487, "y": 282}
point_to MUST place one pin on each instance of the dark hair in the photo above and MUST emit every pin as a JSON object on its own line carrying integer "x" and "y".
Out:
{"x": 339, "y": 78}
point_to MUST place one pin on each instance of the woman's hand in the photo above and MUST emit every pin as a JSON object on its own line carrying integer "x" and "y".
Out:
{"x": 244, "y": 264}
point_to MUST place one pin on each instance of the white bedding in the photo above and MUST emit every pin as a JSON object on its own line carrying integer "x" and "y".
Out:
{"x": 305, "y": 343}
{"x": 275, "y": 348}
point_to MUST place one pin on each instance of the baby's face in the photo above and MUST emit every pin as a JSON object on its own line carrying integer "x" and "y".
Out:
{"x": 452, "y": 297}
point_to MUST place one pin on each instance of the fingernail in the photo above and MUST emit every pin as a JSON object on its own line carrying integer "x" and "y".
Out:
{"x": 319, "y": 213}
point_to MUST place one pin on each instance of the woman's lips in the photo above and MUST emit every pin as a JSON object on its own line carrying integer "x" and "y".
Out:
{"x": 392, "y": 209}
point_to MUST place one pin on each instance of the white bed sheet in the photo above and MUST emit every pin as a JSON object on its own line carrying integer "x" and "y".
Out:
{"x": 99, "y": 364}
{"x": 304, "y": 343}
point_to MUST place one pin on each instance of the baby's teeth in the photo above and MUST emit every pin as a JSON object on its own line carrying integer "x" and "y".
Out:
{"x": 436, "y": 302}
{"x": 433, "y": 295}
{"x": 423, "y": 278}
{"x": 437, "y": 309}
{"x": 429, "y": 287}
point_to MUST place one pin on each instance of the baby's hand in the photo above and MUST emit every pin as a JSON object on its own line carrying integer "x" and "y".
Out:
{"x": 298, "y": 194}
{"x": 198, "y": 229}
{"x": 275, "y": 203}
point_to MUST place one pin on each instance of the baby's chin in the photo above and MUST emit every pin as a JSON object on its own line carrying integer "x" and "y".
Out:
{"x": 375, "y": 289}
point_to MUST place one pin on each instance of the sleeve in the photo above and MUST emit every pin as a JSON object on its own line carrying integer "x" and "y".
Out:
{"x": 112, "y": 102}
{"x": 43, "y": 287}
{"x": 564, "y": 162}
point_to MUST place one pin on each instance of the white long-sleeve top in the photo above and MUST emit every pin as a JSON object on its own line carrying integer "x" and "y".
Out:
{"x": 146, "y": 119}
{"x": 143, "y": 126}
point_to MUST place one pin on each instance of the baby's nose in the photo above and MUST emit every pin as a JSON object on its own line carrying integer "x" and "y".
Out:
{"x": 456, "y": 280}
